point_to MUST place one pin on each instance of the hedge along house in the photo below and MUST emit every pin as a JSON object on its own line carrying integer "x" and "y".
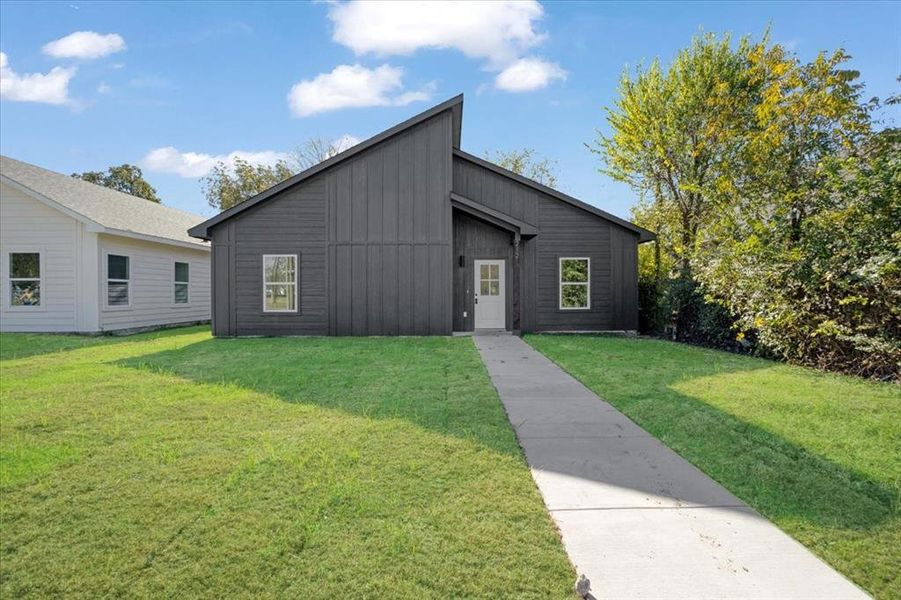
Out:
{"x": 406, "y": 234}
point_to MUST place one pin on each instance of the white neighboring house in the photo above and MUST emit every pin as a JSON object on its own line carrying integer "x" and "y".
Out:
{"x": 79, "y": 257}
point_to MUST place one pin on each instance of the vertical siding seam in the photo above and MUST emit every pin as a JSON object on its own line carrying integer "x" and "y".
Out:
{"x": 328, "y": 261}
{"x": 428, "y": 227}
{"x": 397, "y": 211}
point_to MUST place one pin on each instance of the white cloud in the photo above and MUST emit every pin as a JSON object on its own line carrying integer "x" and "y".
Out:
{"x": 352, "y": 86}
{"x": 497, "y": 31}
{"x": 104, "y": 88}
{"x": 528, "y": 74}
{"x": 194, "y": 164}
{"x": 85, "y": 44}
{"x": 49, "y": 88}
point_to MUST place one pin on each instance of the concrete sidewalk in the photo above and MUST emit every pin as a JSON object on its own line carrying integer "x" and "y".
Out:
{"x": 637, "y": 519}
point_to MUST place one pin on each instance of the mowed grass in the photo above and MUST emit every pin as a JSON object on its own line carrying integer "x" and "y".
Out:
{"x": 819, "y": 454}
{"x": 174, "y": 464}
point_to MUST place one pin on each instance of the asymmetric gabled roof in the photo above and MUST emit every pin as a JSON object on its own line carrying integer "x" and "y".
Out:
{"x": 455, "y": 104}
{"x": 104, "y": 210}
{"x": 644, "y": 234}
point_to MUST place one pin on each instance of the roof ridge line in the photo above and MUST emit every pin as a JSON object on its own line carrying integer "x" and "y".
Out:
{"x": 201, "y": 230}
{"x": 645, "y": 235}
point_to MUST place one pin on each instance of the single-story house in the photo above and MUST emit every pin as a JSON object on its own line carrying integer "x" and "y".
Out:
{"x": 79, "y": 257}
{"x": 407, "y": 234}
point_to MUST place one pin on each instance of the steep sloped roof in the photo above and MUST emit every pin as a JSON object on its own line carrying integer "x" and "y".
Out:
{"x": 107, "y": 210}
{"x": 455, "y": 105}
{"x": 644, "y": 235}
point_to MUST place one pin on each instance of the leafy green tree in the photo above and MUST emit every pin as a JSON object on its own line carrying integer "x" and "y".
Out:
{"x": 124, "y": 178}
{"x": 676, "y": 134}
{"x": 229, "y": 184}
{"x": 528, "y": 163}
{"x": 776, "y": 204}
{"x": 815, "y": 272}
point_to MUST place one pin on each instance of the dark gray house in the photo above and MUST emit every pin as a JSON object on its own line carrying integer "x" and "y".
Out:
{"x": 406, "y": 234}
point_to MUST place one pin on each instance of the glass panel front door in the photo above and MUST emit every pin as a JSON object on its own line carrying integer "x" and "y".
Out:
{"x": 490, "y": 301}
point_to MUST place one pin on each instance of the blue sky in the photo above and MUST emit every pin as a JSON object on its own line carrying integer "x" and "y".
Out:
{"x": 174, "y": 86}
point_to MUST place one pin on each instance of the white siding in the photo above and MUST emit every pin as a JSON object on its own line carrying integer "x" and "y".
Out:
{"x": 27, "y": 225}
{"x": 152, "y": 284}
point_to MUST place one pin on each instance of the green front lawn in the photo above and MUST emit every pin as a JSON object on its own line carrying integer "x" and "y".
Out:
{"x": 818, "y": 454}
{"x": 173, "y": 464}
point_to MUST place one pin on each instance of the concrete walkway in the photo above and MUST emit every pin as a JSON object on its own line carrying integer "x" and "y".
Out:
{"x": 635, "y": 518}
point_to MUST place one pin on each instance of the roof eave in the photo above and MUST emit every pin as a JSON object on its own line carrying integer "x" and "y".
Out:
{"x": 35, "y": 195}
{"x": 94, "y": 226}
{"x": 455, "y": 104}
{"x": 157, "y": 239}
{"x": 643, "y": 234}
{"x": 479, "y": 210}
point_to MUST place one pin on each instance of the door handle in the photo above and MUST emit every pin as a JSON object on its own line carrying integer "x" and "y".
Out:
{"x": 477, "y": 299}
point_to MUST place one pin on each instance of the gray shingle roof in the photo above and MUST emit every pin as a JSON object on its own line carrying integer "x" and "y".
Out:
{"x": 108, "y": 208}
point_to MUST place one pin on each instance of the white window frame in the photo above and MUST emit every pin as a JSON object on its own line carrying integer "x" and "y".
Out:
{"x": 106, "y": 280}
{"x": 561, "y": 283}
{"x": 176, "y": 282}
{"x": 8, "y": 291}
{"x": 294, "y": 283}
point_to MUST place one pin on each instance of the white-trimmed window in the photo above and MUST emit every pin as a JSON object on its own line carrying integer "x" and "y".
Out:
{"x": 118, "y": 280}
{"x": 279, "y": 283}
{"x": 25, "y": 279}
{"x": 181, "y": 282}
{"x": 575, "y": 283}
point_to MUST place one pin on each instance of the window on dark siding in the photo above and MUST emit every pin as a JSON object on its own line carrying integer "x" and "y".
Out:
{"x": 118, "y": 280}
{"x": 575, "y": 283}
{"x": 181, "y": 282}
{"x": 24, "y": 278}
{"x": 280, "y": 283}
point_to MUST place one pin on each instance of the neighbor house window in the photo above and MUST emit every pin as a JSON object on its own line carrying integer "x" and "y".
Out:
{"x": 280, "y": 283}
{"x": 24, "y": 278}
{"x": 181, "y": 283}
{"x": 575, "y": 283}
{"x": 118, "y": 280}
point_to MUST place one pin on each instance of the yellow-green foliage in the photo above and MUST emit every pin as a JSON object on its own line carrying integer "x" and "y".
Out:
{"x": 767, "y": 185}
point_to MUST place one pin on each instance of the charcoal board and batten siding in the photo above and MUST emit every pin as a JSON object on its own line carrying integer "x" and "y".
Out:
{"x": 564, "y": 230}
{"x": 373, "y": 235}
{"x": 378, "y": 245}
{"x": 475, "y": 240}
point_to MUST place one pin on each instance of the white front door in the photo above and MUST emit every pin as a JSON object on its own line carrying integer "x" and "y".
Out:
{"x": 490, "y": 299}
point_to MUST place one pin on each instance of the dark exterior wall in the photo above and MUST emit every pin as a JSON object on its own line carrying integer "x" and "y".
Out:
{"x": 496, "y": 191}
{"x": 373, "y": 235}
{"x": 476, "y": 240}
{"x": 564, "y": 230}
{"x": 624, "y": 278}
{"x": 221, "y": 260}
{"x": 390, "y": 236}
{"x": 294, "y": 222}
